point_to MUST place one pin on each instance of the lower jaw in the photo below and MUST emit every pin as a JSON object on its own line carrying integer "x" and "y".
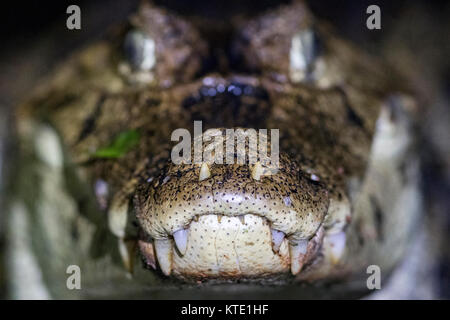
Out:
{"x": 230, "y": 250}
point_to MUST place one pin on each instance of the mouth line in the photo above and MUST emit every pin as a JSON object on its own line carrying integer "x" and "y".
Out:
{"x": 232, "y": 214}
{"x": 179, "y": 235}
{"x": 289, "y": 222}
{"x": 278, "y": 236}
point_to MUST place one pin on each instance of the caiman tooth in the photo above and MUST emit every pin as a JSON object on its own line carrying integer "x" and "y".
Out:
{"x": 297, "y": 251}
{"x": 277, "y": 239}
{"x": 219, "y": 218}
{"x": 48, "y": 147}
{"x": 117, "y": 216}
{"x": 242, "y": 219}
{"x": 337, "y": 246}
{"x": 181, "y": 238}
{"x": 164, "y": 250}
{"x": 147, "y": 250}
{"x": 127, "y": 249}
{"x": 205, "y": 173}
{"x": 257, "y": 171}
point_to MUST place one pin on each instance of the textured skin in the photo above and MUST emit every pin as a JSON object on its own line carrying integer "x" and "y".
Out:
{"x": 341, "y": 169}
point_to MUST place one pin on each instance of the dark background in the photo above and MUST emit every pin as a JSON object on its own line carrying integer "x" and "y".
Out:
{"x": 25, "y": 23}
{"x": 23, "y": 20}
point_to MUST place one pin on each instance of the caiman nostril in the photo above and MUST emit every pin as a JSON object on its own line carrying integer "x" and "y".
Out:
{"x": 222, "y": 103}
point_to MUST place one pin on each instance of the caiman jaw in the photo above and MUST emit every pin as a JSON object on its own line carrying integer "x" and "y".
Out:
{"x": 229, "y": 222}
{"x": 230, "y": 247}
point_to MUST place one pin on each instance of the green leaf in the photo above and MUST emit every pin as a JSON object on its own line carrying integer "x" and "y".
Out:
{"x": 121, "y": 144}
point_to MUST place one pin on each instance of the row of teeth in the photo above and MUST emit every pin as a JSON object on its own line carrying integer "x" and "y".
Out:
{"x": 297, "y": 249}
{"x": 256, "y": 172}
{"x": 164, "y": 247}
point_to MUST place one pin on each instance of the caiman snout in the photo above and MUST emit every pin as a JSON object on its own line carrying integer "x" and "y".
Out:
{"x": 212, "y": 220}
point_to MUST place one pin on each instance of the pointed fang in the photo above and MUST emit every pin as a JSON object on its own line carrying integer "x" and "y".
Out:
{"x": 337, "y": 246}
{"x": 118, "y": 216}
{"x": 127, "y": 249}
{"x": 205, "y": 173}
{"x": 277, "y": 239}
{"x": 297, "y": 252}
{"x": 164, "y": 250}
{"x": 257, "y": 171}
{"x": 181, "y": 238}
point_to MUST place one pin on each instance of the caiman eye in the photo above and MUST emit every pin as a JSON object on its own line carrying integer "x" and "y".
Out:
{"x": 139, "y": 50}
{"x": 160, "y": 49}
{"x": 303, "y": 56}
{"x": 285, "y": 45}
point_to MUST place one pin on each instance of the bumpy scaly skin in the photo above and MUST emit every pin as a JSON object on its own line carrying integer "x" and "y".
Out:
{"x": 328, "y": 191}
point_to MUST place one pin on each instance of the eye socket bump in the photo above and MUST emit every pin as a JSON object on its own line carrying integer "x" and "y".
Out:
{"x": 286, "y": 45}
{"x": 139, "y": 50}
